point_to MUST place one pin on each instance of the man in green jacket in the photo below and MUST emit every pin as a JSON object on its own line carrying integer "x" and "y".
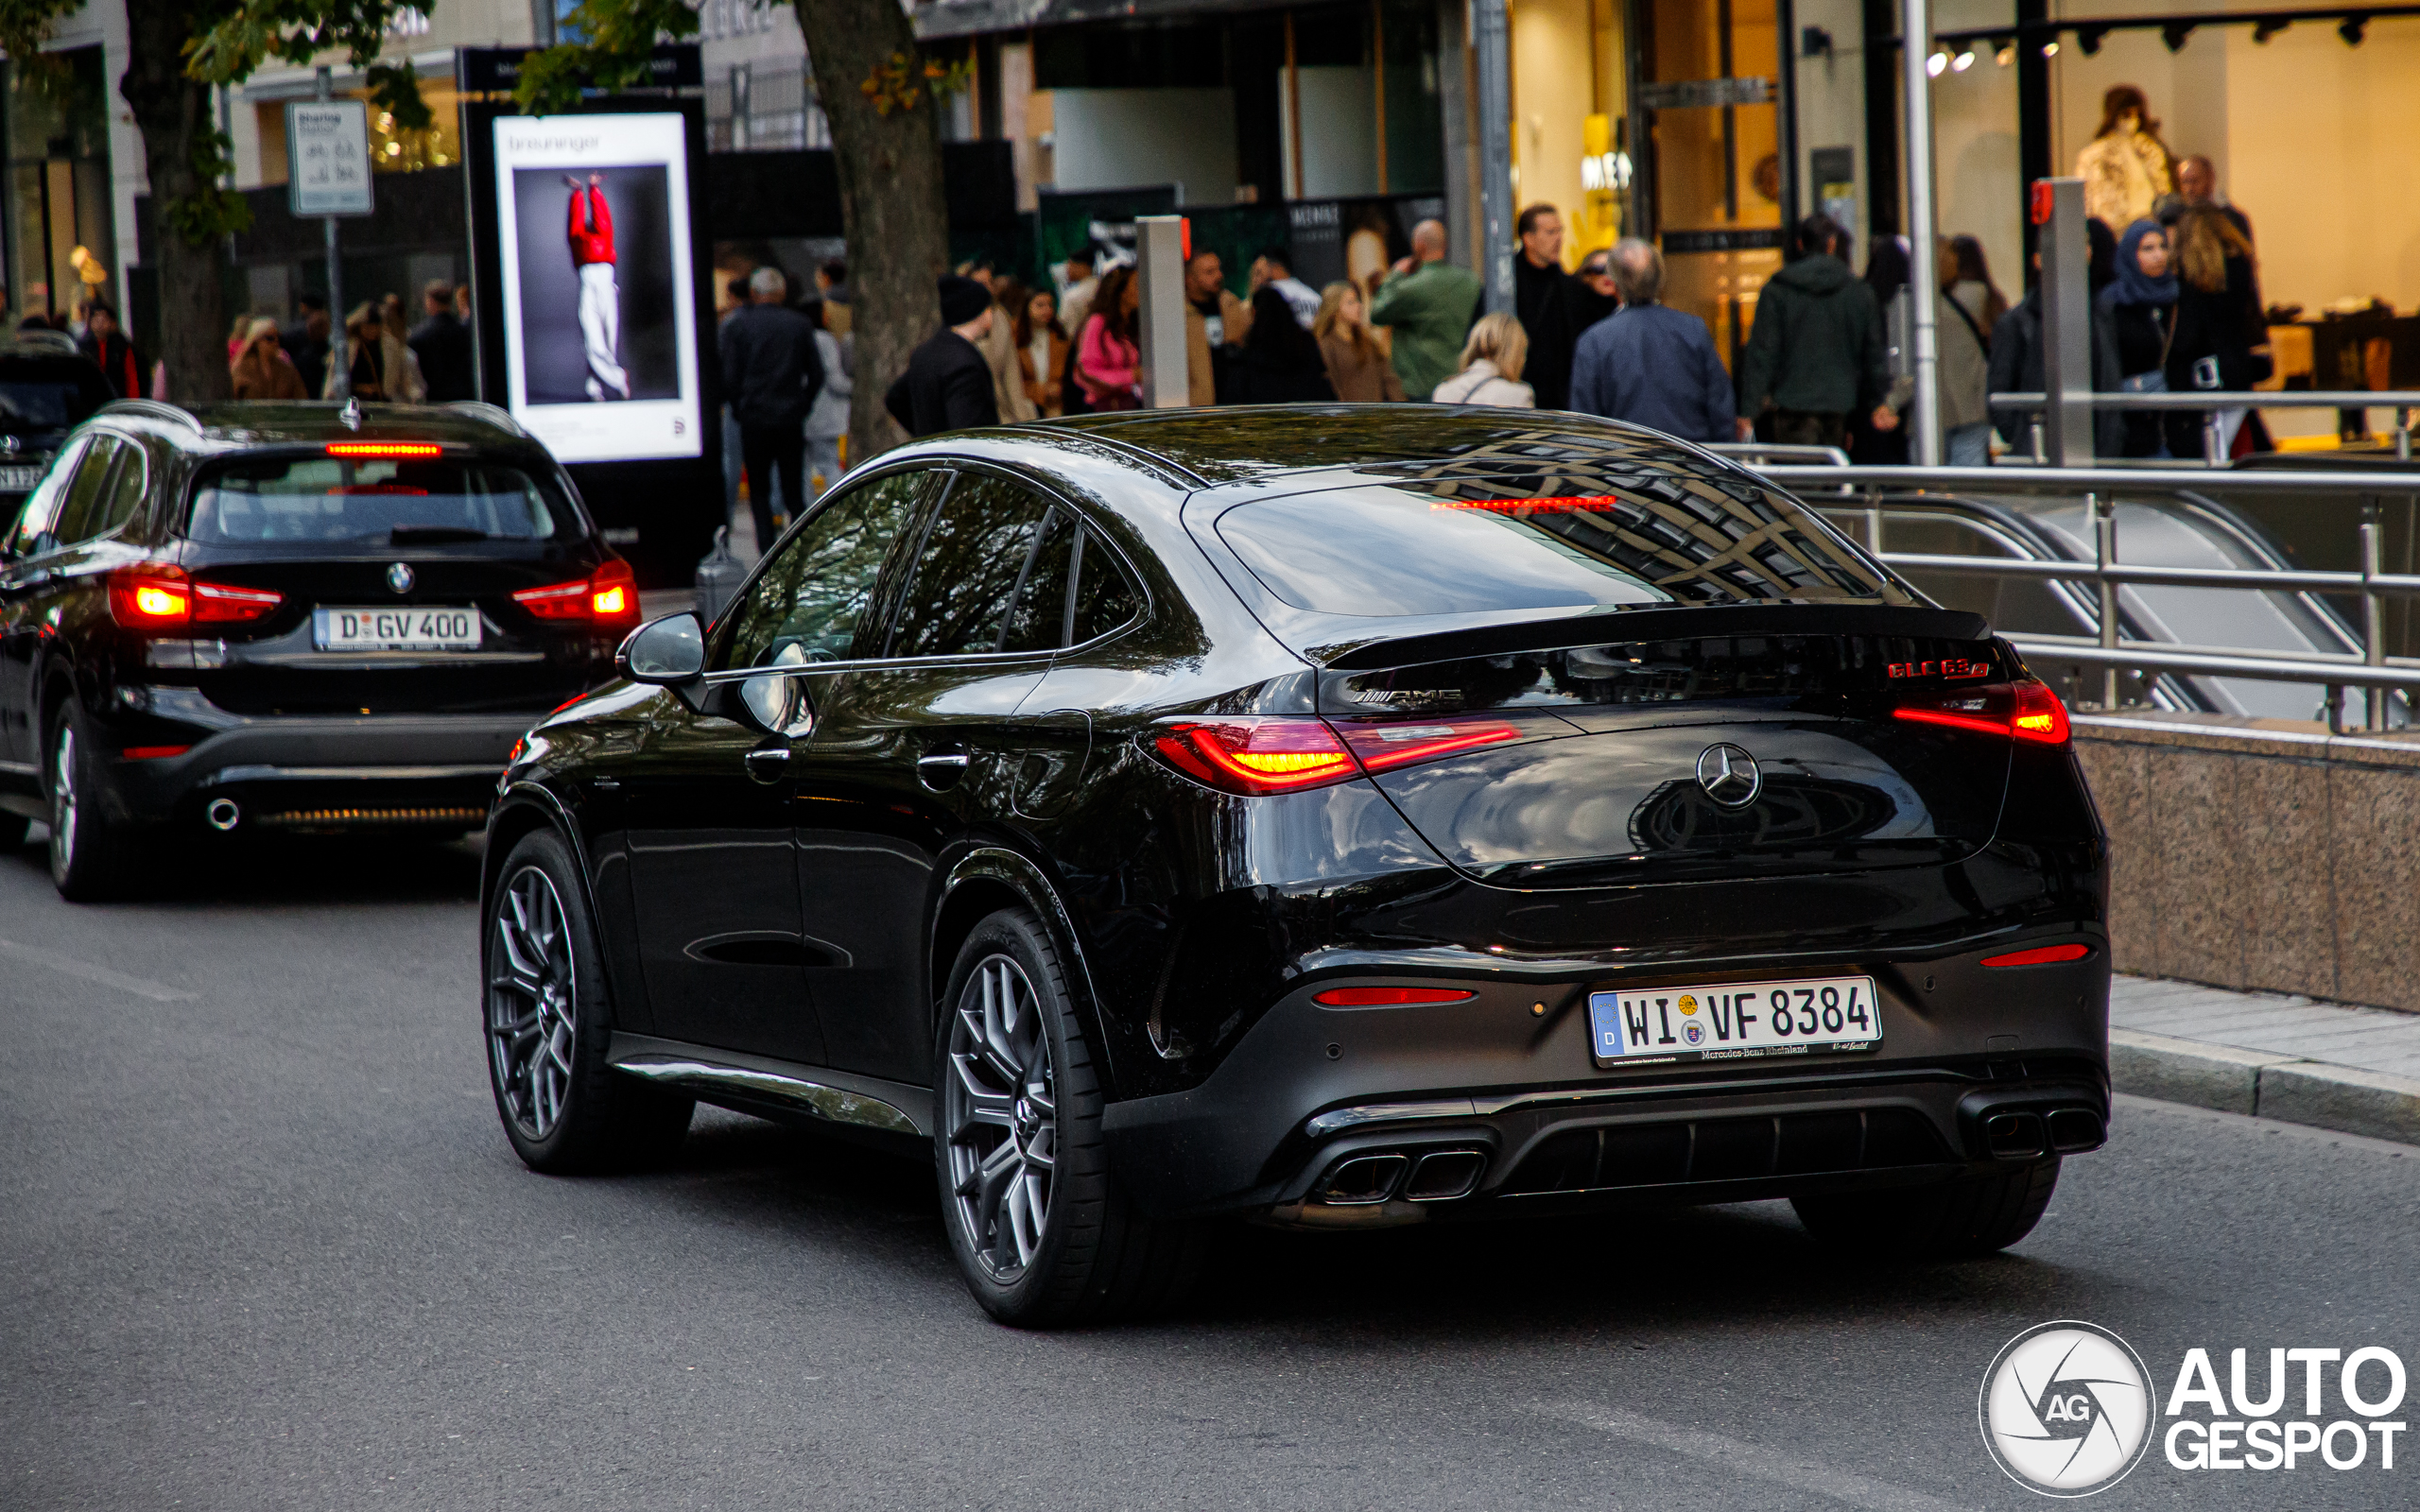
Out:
{"x": 1431, "y": 304}
{"x": 1817, "y": 352}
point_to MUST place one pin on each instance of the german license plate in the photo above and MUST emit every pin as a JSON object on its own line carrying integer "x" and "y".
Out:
{"x": 19, "y": 479}
{"x": 422, "y": 629}
{"x": 1731, "y": 1021}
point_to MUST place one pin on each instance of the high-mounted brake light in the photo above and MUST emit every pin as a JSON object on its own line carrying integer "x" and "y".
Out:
{"x": 2045, "y": 955}
{"x": 2027, "y": 711}
{"x": 1255, "y": 753}
{"x": 1389, "y": 997}
{"x": 609, "y": 595}
{"x": 379, "y": 449}
{"x": 1552, "y": 503}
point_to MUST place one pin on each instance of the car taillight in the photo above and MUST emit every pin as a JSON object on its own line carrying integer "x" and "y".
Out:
{"x": 2042, "y": 956}
{"x": 1255, "y": 753}
{"x": 1383, "y": 743}
{"x": 1389, "y": 997}
{"x": 610, "y": 594}
{"x": 225, "y": 603}
{"x": 152, "y": 598}
{"x": 2027, "y": 711}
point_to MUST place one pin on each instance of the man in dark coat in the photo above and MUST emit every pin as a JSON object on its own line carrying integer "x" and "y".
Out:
{"x": 307, "y": 341}
{"x": 770, "y": 375}
{"x": 947, "y": 386}
{"x": 1648, "y": 364}
{"x": 2017, "y": 367}
{"x": 442, "y": 344}
{"x": 1817, "y": 352}
{"x": 1545, "y": 299}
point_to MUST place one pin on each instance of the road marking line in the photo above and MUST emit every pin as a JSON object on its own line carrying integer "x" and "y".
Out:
{"x": 1739, "y": 1457}
{"x": 156, "y": 991}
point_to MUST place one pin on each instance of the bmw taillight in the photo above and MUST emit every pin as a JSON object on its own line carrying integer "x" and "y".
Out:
{"x": 2026, "y": 711}
{"x": 610, "y": 596}
{"x": 160, "y": 599}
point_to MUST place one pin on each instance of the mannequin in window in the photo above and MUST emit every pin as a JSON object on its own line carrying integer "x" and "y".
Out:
{"x": 2126, "y": 167}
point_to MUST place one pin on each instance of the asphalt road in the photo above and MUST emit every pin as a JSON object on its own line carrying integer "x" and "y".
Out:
{"x": 262, "y": 1244}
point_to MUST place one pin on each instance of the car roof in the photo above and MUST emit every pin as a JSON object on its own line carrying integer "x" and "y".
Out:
{"x": 243, "y": 425}
{"x": 1257, "y": 442}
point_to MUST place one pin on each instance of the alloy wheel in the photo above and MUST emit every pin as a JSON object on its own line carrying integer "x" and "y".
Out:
{"x": 1001, "y": 1108}
{"x": 63, "y": 801}
{"x": 532, "y": 1003}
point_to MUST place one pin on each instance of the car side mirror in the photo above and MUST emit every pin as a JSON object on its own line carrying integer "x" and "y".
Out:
{"x": 664, "y": 651}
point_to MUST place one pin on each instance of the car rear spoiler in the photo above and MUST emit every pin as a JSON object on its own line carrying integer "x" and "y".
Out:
{"x": 1623, "y": 626}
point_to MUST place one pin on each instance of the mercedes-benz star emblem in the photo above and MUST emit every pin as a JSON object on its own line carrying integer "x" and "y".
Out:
{"x": 399, "y": 577}
{"x": 1729, "y": 775}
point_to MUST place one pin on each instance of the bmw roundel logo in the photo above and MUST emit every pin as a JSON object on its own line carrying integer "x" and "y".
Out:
{"x": 2067, "y": 1409}
{"x": 1729, "y": 775}
{"x": 399, "y": 577}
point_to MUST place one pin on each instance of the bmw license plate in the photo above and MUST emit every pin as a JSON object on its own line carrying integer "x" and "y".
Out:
{"x": 421, "y": 628}
{"x": 19, "y": 479}
{"x": 1731, "y": 1021}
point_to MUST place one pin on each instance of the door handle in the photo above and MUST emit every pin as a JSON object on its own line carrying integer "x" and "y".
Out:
{"x": 768, "y": 763}
{"x": 941, "y": 769}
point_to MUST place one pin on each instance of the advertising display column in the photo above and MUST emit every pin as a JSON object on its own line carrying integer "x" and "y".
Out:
{"x": 591, "y": 288}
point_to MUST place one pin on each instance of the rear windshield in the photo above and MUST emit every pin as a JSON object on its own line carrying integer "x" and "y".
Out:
{"x": 42, "y": 407}
{"x": 325, "y": 499}
{"x": 1462, "y": 544}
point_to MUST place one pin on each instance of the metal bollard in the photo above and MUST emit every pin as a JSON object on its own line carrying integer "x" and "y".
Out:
{"x": 719, "y": 575}
{"x": 2104, "y": 551}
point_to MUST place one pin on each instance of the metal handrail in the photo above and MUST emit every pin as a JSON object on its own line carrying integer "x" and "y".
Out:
{"x": 2258, "y": 579}
{"x": 2223, "y": 399}
{"x": 1784, "y": 452}
{"x": 2073, "y": 480}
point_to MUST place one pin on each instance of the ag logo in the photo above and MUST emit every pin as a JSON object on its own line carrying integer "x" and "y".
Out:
{"x": 2067, "y": 1409}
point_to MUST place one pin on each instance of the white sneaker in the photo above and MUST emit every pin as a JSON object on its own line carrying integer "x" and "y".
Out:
{"x": 595, "y": 391}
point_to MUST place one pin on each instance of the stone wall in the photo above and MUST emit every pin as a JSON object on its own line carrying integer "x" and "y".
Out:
{"x": 2260, "y": 854}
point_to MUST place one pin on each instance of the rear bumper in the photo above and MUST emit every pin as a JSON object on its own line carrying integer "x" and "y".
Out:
{"x": 327, "y": 772}
{"x": 1982, "y": 1069}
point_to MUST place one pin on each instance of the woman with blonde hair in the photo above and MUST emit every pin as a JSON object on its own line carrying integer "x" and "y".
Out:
{"x": 1360, "y": 371}
{"x": 261, "y": 370}
{"x": 1491, "y": 369}
{"x": 377, "y": 360}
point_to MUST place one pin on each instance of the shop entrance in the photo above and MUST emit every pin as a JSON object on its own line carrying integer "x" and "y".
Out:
{"x": 60, "y": 234}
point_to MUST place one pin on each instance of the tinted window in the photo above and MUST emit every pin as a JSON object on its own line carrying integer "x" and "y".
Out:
{"x": 42, "y": 504}
{"x": 814, "y": 595}
{"x": 38, "y": 406}
{"x": 1104, "y": 598}
{"x": 973, "y": 556}
{"x": 403, "y": 500}
{"x": 80, "y": 515}
{"x": 1462, "y": 544}
{"x": 1039, "y": 618}
{"x": 127, "y": 490}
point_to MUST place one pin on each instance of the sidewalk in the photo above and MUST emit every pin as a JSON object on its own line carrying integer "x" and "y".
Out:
{"x": 2352, "y": 1070}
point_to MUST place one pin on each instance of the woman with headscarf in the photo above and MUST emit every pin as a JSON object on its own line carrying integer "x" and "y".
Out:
{"x": 2141, "y": 306}
{"x": 261, "y": 370}
{"x": 1280, "y": 363}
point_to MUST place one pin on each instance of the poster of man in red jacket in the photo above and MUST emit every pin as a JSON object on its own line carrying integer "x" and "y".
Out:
{"x": 600, "y": 300}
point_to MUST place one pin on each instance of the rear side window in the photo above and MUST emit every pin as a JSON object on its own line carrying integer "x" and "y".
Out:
{"x": 81, "y": 516}
{"x": 403, "y": 500}
{"x": 1074, "y": 589}
{"x": 1462, "y": 544}
{"x": 967, "y": 575}
{"x": 35, "y": 522}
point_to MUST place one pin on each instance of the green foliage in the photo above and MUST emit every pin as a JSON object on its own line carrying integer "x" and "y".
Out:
{"x": 620, "y": 38}
{"x": 25, "y": 25}
{"x": 208, "y": 212}
{"x": 231, "y": 42}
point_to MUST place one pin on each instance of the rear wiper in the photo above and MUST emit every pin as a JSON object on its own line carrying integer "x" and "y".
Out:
{"x": 433, "y": 535}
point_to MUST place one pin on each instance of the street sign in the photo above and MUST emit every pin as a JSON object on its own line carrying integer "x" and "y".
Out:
{"x": 327, "y": 158}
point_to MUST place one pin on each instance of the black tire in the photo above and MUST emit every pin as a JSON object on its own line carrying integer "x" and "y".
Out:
{"x": 12, "y": 831}
{"x": 547, "y": 1018}
{"x": 1094, "y": 1258}
{"x": 88, "y": 842}
{"x": 1972, "y": 1215}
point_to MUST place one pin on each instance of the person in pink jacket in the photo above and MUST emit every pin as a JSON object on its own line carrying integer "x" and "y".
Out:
{"x": 1108, "y": 361}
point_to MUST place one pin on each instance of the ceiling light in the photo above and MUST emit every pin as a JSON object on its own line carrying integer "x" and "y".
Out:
{"x": 2352, "y": 29}
{"x": 1963, "y": 61}
{"x": 2270, "y": 26}
{"x": 2050, "y": 50}
{"x": 2174, "y": 34}
{"x": 1934, "y": 64}
{"x": 2088, "y": 38}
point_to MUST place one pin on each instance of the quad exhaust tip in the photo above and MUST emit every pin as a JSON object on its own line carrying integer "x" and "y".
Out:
{"x": 223, "y": 813}
{"x": 1440, "y": 1175}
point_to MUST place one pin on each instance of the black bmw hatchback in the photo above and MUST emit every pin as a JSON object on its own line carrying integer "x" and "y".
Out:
{"x": 286, "y": 617}
{"x": 1333, "y": 817}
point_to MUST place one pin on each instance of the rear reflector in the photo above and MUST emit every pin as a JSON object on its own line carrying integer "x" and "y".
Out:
{"x": 2045, "y": 955}
{"x": 2026, "y": 710}
{"x": 1389, "y": 997}
{"x": 373, "y": 449}
{"x": 152, "y": 753}
{"x": 1255, "y": 754}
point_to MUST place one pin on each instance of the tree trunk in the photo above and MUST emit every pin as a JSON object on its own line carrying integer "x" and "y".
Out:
{"x": 173, "y": 114}
{"x": 891, "y": 209}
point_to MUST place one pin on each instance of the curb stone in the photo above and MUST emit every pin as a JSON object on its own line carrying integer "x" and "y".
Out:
{"x": 2345, "y": 1098}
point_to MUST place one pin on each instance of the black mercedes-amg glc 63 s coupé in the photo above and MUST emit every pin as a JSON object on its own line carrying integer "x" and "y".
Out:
{"x": 1331, "y": 816}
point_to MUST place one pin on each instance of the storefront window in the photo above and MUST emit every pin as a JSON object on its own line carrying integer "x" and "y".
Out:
{"x": 1710, "y": 89}
{"x": 59, "y": 184}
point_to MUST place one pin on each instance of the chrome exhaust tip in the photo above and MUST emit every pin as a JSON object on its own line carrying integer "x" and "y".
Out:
{"x": 223, "y": 815}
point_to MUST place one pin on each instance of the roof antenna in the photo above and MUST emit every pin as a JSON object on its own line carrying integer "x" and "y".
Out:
{"x": 351, "y": 414}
